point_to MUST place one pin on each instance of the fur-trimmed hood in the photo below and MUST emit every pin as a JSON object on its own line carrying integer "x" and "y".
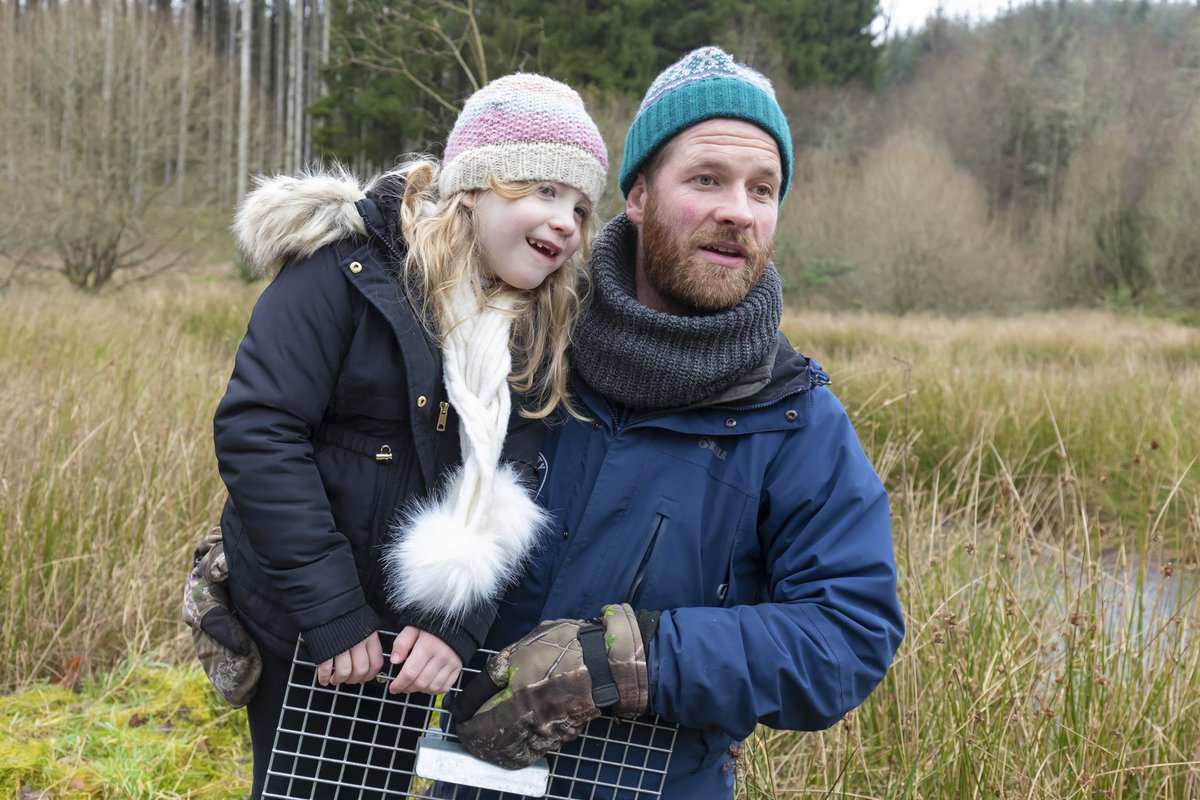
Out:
{"x": 293, "y": 216}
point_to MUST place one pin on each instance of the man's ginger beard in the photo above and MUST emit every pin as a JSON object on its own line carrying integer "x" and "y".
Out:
{"x": 682, "y": 276}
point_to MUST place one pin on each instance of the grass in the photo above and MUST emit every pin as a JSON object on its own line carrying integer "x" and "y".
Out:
{"x": 1047, "y": 525}
{"x": 1045, "y": 499}
{"x": 106, "y": 466}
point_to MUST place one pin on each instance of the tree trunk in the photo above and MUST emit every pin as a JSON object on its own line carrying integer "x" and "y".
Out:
{"x": 213, "y": 122}
{"x": 139, "y": 133}
{"x": 281, "y": 87}
{"x": 326, "y": 30}
{"x": 227, "y": 133}
{"x": 68, "y": 114}
{"x": 107, "y": 139}
{"x": 8, "y": 41}
{"x": 261, "y": 139}
{"x": 243, "y": 146}
{"x": 298, "y": 87}
{"x": 184, "y": 110}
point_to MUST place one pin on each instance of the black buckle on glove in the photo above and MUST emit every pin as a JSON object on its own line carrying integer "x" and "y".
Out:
{"x": 595, "y": 658}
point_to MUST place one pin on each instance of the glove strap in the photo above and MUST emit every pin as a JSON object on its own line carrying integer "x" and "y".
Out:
{"x": 595, "y": 658}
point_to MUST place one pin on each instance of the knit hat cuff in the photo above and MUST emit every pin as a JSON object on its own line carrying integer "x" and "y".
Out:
{"x": 715, "y": 98}
{"x": 537, "y": 161}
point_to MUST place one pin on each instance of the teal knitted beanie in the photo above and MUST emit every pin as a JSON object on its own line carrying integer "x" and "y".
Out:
{"x": 705, "y": 84}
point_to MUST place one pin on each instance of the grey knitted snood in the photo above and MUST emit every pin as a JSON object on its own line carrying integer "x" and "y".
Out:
{"x": 651, "y": 360}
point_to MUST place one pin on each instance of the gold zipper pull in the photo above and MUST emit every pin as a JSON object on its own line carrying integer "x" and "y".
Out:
{"x": 443, "y": 412}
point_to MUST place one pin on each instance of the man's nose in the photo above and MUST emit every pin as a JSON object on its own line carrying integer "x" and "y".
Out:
{"x": 735, "y": 209}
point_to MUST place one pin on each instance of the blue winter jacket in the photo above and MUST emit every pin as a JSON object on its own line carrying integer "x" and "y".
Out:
{"x": 762, "y": 532}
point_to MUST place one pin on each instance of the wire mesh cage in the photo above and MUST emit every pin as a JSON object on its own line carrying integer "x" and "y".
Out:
{"x": 358, "y": 741}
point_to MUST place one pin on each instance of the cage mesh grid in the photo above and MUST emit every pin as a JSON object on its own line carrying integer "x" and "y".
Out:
{"x": 358, "y": 741}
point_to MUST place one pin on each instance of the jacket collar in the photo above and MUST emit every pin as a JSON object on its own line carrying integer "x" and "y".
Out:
{"x": 781, "y": 403}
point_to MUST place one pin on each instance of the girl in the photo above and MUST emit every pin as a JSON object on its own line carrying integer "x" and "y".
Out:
{"x": 375, "y": 375}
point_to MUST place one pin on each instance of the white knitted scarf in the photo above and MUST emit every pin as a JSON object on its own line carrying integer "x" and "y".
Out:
{"x": 463, "y": 547}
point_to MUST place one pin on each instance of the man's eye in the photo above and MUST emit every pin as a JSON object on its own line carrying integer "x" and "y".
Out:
{"x": 705, "y": 180}
{"x": 764, "y": 190}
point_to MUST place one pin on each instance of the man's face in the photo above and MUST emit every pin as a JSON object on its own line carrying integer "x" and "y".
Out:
{"x": 707, "y": 217}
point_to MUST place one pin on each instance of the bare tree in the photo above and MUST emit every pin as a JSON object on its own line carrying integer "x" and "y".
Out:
{"x": 243, "y": 149}
{"x": 92, "y": 72}
{"x": 107, "y": 23}
{"x": 225, "y": 146}
{"x": 296, "y": 89}
{"x": 185, "y": 88}
{"x": 282, "y": 95}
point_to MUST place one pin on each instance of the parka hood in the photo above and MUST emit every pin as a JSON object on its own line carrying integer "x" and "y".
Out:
{"x": 293, "y": 216}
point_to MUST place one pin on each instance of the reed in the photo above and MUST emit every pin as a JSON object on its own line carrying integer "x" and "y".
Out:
{"x": 106, "y": 466}
{"x": 1048, "y": 654}
{"x": 1045, "y": 497}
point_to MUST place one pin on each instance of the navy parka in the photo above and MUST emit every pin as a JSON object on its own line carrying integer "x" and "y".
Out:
{"x": 759, "y": 529}
{"x": 335, "y": 416}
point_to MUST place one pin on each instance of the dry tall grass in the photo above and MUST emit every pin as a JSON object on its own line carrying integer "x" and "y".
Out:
{"x": 1045, "y": 495}
{"x": 106, "y": 465}
{"x": 1052, "y": 625}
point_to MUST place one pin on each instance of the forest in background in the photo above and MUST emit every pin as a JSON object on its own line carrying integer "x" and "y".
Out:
{"x": 1048, "y": 158}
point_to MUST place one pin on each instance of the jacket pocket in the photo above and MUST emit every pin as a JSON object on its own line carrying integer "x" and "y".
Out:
{"x": 743, "y": 583}
{"x": 635, "y": 585}
{"x": 693, "y": 547}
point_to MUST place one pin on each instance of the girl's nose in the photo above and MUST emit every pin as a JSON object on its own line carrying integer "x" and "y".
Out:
{"x": 563, "y": 219}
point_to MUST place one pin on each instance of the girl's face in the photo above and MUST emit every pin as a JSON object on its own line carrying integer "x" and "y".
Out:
{"x": 525, "y": 239}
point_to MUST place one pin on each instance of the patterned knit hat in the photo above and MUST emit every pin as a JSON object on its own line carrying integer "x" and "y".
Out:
{"x": 704, "y": 84}
{"x": 524, "y": 127}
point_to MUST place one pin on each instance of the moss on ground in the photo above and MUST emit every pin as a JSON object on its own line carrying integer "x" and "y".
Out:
{"x": 145, "y": 730}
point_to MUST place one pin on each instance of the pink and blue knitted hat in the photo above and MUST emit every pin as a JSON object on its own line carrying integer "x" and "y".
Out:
{"x": 704, "y": 84}
{"x": 524, "y": 127}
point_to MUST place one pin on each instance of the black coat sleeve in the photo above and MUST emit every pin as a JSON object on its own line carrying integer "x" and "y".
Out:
{"x": 284, "y": 374}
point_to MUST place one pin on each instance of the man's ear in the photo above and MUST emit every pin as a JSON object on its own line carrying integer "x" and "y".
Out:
{"x": 635, "y": 203}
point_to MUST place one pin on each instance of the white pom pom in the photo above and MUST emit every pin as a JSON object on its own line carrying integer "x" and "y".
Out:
{"x": 439, "y": 565}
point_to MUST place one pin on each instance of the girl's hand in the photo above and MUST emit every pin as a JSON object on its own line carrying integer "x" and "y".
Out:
{"x": 359, "y": 664}
{"x": 430, "y": 665}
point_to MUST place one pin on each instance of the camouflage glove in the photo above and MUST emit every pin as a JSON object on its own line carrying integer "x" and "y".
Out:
{"x": 229, "y": 656}
{"x": 541, "y": 691}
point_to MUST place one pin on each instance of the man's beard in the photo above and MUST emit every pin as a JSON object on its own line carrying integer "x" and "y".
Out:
{"x": 682, "y": 276}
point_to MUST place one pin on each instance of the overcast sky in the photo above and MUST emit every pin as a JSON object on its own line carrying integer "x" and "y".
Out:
{"x": 912, "y": 13}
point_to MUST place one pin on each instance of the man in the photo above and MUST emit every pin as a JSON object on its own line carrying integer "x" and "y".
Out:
{"x": 716, "y": 517}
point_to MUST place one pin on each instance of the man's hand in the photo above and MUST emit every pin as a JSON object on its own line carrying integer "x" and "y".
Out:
{"x": 430, "y": 665}
{"x": 541, "y": 691}
{"x": 359, "y": 664}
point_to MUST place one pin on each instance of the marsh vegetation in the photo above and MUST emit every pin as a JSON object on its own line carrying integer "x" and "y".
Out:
{"x": 1047, "y": 523}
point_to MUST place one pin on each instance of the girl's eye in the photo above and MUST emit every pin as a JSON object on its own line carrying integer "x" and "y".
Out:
{"x": 546, "y": 189}
{"x": 581, "y": 212}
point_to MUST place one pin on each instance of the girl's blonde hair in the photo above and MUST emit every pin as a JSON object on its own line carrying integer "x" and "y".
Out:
{"x": 443, "y": 251}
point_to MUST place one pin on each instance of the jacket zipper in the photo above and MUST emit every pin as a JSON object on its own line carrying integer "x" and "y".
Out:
{"x": 443, "y": 412}
{"x": 645, "y": 560}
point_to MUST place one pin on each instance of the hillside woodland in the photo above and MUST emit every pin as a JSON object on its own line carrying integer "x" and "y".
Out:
{"x": 1045, "y": 159}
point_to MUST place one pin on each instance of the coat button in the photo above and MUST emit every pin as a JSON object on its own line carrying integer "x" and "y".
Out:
{"x": 421, "y": 401}
{"x": 355, "y": 267}
{"x": 791, "y": 415}
{"x": 729, "y": 423}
